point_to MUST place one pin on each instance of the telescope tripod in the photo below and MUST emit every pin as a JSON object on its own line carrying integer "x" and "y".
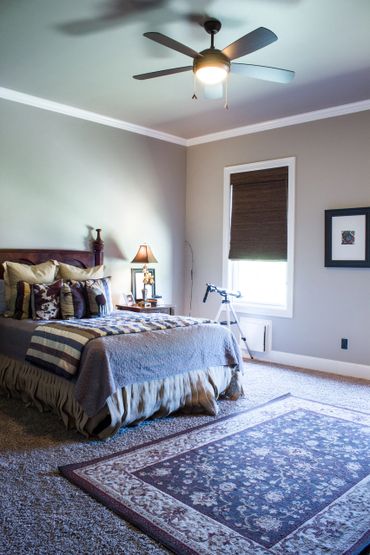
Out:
{"x": 228, "y": 307}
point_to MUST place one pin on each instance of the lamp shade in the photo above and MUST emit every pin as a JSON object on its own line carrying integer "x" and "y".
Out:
{"x": 144, "y": 255}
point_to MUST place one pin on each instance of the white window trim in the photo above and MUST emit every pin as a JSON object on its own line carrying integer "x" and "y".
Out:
{"x": 252, "y": 308}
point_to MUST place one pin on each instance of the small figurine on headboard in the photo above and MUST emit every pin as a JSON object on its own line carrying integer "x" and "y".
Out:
{"x": 98, "y": 248}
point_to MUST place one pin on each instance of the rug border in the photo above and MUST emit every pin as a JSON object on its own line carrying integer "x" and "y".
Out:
{"x": 360, "y": 546}
{"x": 74, "y": 466}
{"x": 151, "y": 530}
{"x": 141, "y": 523}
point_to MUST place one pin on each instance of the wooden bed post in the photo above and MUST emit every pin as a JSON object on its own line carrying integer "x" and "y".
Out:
{"x": 98, "y": 248}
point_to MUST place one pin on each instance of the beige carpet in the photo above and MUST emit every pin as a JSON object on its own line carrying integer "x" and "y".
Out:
{"x": 41, "y": 513}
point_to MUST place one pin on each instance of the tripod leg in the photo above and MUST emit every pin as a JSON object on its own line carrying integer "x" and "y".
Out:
{"x": 217, "y": 318}
{"x": 224, "y": 307}
{"x": 227, "y": 308}
{"x": 242, "y": 336}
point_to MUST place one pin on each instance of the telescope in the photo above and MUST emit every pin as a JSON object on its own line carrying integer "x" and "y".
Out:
{"x": 223, "y": 292}
{"x": 227, "y": 307}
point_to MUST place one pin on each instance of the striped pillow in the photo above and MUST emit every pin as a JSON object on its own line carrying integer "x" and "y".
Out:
{"x": 22, "y": 307}
{"x": 73, "y": 300}
{"x": 45, "y": 300}
{"x": 99, "y": 297}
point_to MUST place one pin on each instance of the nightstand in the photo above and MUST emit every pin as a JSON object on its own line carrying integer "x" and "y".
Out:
{"x": 163, "y": 308}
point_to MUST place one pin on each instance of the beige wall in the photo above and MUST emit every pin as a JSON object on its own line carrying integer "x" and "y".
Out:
{"x": 60, "y": 176}
{"x": 332, "y": 171}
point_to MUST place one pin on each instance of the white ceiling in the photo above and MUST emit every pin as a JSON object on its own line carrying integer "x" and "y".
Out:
{"x": 81, "y": 53}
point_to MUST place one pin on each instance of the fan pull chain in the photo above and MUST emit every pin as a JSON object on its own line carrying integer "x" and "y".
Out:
{"x": 226, "y": 105}
{"x": 194, "y": 97}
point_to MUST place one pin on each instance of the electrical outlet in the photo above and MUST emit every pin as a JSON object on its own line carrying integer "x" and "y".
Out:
{"x": 344, "y": 343}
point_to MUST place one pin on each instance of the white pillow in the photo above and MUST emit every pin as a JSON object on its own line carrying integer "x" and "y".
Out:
{"x": 69, "y": 272}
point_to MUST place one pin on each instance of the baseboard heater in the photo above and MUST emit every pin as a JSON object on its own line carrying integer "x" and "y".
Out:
{"x": 258, "y": 334}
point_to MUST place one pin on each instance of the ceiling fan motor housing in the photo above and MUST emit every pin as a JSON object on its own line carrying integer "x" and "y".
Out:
{"x": 212, "y": 26}
{"x": 211, "y": 57}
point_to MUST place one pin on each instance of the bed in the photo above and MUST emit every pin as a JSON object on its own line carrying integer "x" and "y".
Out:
{"x": 122, "y": 379}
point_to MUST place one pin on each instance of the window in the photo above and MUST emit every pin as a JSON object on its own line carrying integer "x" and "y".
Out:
{"x": 259, "y": 236}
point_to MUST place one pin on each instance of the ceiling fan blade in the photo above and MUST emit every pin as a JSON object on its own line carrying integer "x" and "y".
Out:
{"x": 160, "y": 73}
{"x": 171, "y": 43}
{"x": 86, "y": 26}
{"x": 275, "y": 74}
{"x": 110, "y": 14}
{"x": 249, "y": 43}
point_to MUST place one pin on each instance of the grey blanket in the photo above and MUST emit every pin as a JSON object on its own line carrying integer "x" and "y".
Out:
{"x": 112, "y": 362}
{"x": 58, "y": 346}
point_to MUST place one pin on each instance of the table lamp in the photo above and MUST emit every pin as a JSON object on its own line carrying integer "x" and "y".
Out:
{"x": 145, "y": 256}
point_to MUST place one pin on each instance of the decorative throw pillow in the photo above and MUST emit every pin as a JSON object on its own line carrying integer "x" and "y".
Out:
{"x": 73, "y": 300}
{"x": 67, "y": 271}
{"x": 22, "y": 308}
{"x": 45, "y": 300}
{"x": 99, "y": 297}
{"x": 2, "y": 297}
{"x": 14, "y": 272}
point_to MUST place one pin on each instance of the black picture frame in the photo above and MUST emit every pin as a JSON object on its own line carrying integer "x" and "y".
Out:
{"x": 137, "y": 276}
{"x": 347, "y": 238}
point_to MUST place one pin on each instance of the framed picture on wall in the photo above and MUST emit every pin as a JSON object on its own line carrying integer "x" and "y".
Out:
{"x": 347, "y": 238}
{"x": 137, "y": 284}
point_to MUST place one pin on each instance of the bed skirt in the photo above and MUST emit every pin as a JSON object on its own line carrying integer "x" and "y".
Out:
{"x": 192, "y": 392}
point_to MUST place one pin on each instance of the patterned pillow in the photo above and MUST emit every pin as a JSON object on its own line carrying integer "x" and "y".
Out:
{"x": 45, "y": 300}
{"x": 22, "y": 308}
{"x": 73, "y": 300}
{"x": 99, "y": 297}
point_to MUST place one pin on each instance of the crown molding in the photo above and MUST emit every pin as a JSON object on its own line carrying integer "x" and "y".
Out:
{"x": 332, "y": 112}
{"x": 65, "y": 109}
{"x": 51, "y": 106}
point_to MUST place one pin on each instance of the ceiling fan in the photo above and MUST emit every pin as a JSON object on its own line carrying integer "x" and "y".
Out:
{"x": 212, "y": 66}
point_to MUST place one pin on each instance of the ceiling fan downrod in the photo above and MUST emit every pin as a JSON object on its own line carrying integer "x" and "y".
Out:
{"x": 212, "y": 58}
{"x": 212, "y": 26}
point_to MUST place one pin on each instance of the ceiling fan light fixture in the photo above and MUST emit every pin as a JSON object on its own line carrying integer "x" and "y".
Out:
{"x": 211, "y": 75}
{"x": 211, "y": 67}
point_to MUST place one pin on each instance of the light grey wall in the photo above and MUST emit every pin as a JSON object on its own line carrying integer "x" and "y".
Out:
{"x": 59, "y": 176}
{"x": 332, "y": 171}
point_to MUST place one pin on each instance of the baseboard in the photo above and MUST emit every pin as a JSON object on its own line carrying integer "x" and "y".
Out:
{"x": 349, "y": 369}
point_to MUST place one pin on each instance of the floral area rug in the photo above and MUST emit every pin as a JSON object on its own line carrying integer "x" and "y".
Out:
{"x": 289, "y": 477}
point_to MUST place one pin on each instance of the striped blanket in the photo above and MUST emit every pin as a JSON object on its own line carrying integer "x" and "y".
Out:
{"x": 58, "y": 346}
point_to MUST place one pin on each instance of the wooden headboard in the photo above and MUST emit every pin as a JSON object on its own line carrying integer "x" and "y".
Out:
{"x": 82, "y": 259}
